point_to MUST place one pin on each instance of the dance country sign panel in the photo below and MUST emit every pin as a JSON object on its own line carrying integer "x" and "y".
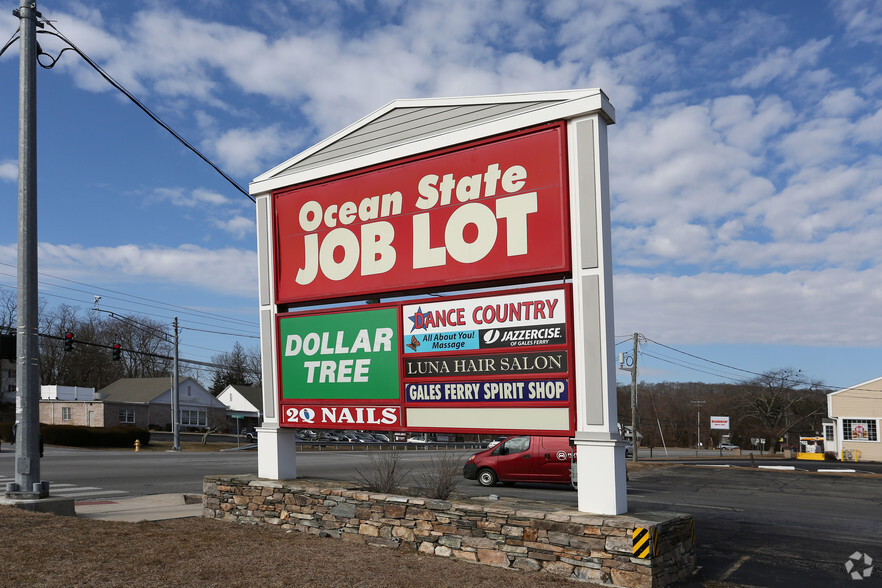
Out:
{"x": 523, "y": 319}
{"x": 494, "y": 209}
{"x": 509, "y": 392}
{"x": 340, "y": 356}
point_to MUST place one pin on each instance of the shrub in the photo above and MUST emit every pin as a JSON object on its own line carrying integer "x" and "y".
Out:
{"x": 441, "y": 476}
{"x": 830, "y": 456}
{"x": 385, "y": 474}
{"x": 6, "y": 432}
{"x": 76, "y": 436}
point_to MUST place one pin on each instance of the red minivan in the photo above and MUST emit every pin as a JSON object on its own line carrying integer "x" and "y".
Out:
{"x": 523, "y": 459}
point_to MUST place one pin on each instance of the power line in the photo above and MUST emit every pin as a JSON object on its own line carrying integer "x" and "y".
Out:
{"x": 131, "y": 97}
{"x": 704, "y": 358}
{"x": 185, "y": 309}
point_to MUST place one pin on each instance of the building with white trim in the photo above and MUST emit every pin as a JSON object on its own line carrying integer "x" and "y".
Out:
{"x": 852, "y": 430}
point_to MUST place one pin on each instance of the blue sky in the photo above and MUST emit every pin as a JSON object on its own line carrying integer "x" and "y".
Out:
{"x": 745, "y": 166}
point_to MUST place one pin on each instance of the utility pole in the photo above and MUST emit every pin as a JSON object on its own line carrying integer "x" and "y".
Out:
{"x": 698, "y": 403}
{"x": 634, "y": 402}
{"x": 633, "y": 369}
{"x": 27, "y": 453}
{"x": 176, "y": 411}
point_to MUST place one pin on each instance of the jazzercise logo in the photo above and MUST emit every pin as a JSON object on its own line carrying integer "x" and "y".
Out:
{"x": 491, "y": 336}
{"x": 856, "y": 560}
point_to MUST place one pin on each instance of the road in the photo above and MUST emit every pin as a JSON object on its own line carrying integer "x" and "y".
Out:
{"x": 754, "y": 527}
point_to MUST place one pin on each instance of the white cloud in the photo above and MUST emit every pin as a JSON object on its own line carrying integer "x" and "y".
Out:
{"x": 9, "y": 170}
{"x": 862, "y": 19}
{"x": 253, "y": 150}
{"x": 869, "y": 128}
{"x": 228, "y": 270}
{"x": 816, "y": 142}
{"x": 238, "y": 226}
{"x": 841, "y": 102}
{"x": 784, "y": 63}
{"x": 191, "y": 198}
{"x": 831, "y": 307}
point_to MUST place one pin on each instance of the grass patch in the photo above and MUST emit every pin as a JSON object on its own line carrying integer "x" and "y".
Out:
{"x": 47, "y": 550}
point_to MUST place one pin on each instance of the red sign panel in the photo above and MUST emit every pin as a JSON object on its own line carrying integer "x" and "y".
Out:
{"x": 323, "y": 416}
{"x": 489, "y": 210}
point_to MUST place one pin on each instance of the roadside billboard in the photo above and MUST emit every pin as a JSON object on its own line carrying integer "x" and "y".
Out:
{"x": 719, "y": 422}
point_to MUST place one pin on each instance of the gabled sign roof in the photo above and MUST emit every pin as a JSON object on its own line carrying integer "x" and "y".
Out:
{"x": 407, "y": 127}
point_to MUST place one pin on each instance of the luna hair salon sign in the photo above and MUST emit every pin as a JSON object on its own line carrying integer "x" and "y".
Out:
{"x": 489, "y": 210}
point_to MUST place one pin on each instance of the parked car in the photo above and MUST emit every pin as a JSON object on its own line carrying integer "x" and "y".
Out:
{"x": 250, "y": 435}
{"x": 417, "y": 440}
{"x": 728, "y": 446}
{"x": 523, "y": 459}
{"x": 380, "y": 438}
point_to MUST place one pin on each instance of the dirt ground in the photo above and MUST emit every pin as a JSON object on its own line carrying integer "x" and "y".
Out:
{"x": 48, "y": 550}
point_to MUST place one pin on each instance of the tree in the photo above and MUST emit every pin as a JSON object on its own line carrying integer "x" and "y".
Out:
{"x": 89, "y": 364}
{"x": 780, "y": 402}
{"x": 238, "y": 367}
{"x": 8, "y": 304}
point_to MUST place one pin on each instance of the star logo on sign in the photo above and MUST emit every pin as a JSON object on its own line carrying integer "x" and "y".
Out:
{"x": 419, "y": 320}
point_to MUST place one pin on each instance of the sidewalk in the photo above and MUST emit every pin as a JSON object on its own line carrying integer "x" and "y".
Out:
{"x": 155, "y": 507}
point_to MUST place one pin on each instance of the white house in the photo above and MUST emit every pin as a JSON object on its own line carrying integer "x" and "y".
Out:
{"x": 244, "y": 403}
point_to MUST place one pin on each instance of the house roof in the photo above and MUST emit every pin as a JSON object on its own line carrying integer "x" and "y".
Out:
{"x": 407, "y": 127}
{"x": 138, "y": 389}
{"x": 253, "y": 394}
{"x": 875, "y": 384}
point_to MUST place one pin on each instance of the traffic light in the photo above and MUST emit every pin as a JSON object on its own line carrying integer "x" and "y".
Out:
{"x": 117, "y": 352}
{"x": 68, "y": 342}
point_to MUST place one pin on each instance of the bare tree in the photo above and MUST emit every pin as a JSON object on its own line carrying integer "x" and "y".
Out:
{"x": 780, "y": 402}
{"x": 145, "y": 341}
{"x": 8, "y": 303}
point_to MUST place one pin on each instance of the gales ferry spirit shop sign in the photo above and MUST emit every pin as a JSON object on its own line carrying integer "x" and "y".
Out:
{"x": 483, "y": 213}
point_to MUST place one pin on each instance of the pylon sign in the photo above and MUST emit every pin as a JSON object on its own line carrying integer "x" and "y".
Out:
{"x": 444, "y": 265}
{"x": 504, "y": 230}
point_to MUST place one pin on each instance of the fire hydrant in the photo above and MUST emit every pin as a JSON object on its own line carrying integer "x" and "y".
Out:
{"x": 137, "y": 445}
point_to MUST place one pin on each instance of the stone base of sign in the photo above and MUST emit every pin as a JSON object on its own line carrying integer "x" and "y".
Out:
{"x": 522, "y": 535}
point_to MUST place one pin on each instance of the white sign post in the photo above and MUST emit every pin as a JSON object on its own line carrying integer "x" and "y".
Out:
{"x": 602, "y": 484}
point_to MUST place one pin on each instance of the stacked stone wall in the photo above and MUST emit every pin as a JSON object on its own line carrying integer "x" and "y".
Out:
{"x": 533, "y": 537}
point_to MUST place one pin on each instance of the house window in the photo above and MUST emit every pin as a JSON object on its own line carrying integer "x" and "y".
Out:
{"x": 65, "y": 413}
{"x": 194, "y": 418}
{"x": 859, "y": 430}
{"x": 828, "y": 433}
{"x": 126, "y": 416}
